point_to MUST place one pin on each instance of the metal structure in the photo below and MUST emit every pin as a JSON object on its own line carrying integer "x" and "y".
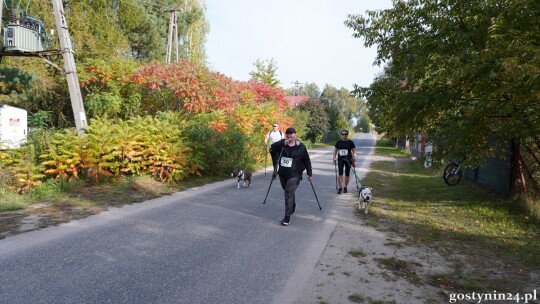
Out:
{"x": 26, "y": 36}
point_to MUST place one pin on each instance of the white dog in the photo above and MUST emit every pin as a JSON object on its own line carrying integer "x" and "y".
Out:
{"x": 364, "y": 198}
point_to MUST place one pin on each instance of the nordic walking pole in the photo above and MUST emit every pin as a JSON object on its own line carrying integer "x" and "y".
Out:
{"x": 265, "y": 158}
{"x": 320, "y": 208}
{"x": 272, "y": 180}
{"x": 335, "y": 169}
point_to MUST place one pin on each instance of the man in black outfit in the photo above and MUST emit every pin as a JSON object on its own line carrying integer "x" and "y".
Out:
{"x": 345, "y": 150}
{"x": 293, "y": 160}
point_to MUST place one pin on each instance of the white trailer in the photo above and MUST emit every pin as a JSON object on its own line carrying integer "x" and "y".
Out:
{"x": 13, "y": 127}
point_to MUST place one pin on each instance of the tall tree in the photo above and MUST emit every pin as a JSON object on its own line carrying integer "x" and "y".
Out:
{"x": 193, "y": 28}
{"x": 464, "y": 71}
{"x": 317, "y": 125}
{"x": 349, "y": 106}
{"x": 265, "y": 71}
{"x": 145, "y": 26}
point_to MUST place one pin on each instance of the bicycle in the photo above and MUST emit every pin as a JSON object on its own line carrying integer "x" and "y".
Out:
{"x": 452, "y": 173}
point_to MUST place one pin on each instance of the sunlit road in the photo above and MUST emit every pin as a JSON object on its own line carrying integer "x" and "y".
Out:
{"x": 212, "y": 244}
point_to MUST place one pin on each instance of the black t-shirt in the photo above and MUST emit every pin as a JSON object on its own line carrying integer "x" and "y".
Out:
{"x": 344, "y": 149}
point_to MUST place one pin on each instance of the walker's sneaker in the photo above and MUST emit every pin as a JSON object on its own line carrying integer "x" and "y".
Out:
{"x": 345, "y": 190}
{"x": 339, "y": 191}
{"x": 285, "y": 221}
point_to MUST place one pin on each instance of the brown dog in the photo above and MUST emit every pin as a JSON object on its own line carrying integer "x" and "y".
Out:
{"x": 243, "y": 175}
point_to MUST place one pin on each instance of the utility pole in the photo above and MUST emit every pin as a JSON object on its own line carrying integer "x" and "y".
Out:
{"x": 1, "y": 26}
{"x": 69, "y": 66}
{"x": 296, "y": 92}
{"x": 173, "y": 36}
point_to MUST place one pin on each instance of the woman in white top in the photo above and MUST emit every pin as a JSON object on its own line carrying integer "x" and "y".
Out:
{"x": 274, "y": 136}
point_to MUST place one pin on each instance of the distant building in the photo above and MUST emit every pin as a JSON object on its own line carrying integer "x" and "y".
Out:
{"x": 295, "y": 101}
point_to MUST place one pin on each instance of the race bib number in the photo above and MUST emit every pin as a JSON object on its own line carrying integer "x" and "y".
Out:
{"x": 286, "y": 162}
{"x": 343, "y": 152}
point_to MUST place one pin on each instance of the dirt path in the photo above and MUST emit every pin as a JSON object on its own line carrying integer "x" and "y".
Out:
{"x": 369, "y": 260}
{"x": 357, "y": 265}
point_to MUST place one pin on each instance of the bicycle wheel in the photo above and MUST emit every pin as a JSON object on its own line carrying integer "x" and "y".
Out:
{"x": 452, "y": 174}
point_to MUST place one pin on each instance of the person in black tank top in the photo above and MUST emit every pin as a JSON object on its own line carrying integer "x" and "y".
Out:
{"x": 345, "y": 155}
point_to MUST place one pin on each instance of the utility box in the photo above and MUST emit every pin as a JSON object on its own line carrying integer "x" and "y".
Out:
{"x": 18, "y": 38}
{"x": 13, "y": 127}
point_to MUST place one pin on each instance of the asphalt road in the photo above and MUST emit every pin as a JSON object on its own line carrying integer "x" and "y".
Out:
{"x": 211, "y": 244}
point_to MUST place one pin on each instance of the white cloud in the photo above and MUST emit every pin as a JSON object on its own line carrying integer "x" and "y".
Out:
{"x": 307, "y": 39}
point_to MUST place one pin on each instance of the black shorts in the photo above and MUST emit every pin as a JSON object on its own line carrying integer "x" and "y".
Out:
{"x": 344, "y": 163}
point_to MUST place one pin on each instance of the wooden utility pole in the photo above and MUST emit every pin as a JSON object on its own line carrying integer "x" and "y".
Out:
{"x": 173, "y": 36}
{"x": 1, "y": 26}
{"x": 69, "y": 66}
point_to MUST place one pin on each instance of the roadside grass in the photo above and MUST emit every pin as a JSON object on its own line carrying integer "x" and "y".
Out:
{"x": 401, "y": 268}
{"x": 493, "y": 243}
{"x": 61, "y": 202}
{"x": 385, "y": 147}
{"x": 357, "y": 253}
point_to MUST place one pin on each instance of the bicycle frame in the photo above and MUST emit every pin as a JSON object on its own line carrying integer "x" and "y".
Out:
{"x": 452, "y": 173}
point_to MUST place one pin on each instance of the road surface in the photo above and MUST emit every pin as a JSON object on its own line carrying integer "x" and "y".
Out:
{"x": 210, "y": 244}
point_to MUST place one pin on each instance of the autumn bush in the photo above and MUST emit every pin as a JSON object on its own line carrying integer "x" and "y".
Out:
{"x": 169, "y": 121}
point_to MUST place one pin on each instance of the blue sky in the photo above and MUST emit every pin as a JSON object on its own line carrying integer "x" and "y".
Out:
{"x": 306, "y": 38}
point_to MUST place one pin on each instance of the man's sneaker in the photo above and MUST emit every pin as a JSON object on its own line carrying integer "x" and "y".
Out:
{"x": 285, "y": 221}
{"x": 339, "y": 191}
{"x": 345, "y": 190}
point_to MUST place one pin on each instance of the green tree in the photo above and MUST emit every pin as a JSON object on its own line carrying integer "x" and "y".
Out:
{"x": 14, "y": 83}
{"x": 317, "y": 125}
{"x": 145, "y": 29}
{"x": 265, "y": 71}
{"x": 348, "y": 107}
{"x": 464, "y": 71}
{"x": 311, "y": 90}
{"x": 193, "y": 28}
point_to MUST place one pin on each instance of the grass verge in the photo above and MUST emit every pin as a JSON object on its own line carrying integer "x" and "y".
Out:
{"x": 56, "y": 203}
{"x": 492, "y": 242}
